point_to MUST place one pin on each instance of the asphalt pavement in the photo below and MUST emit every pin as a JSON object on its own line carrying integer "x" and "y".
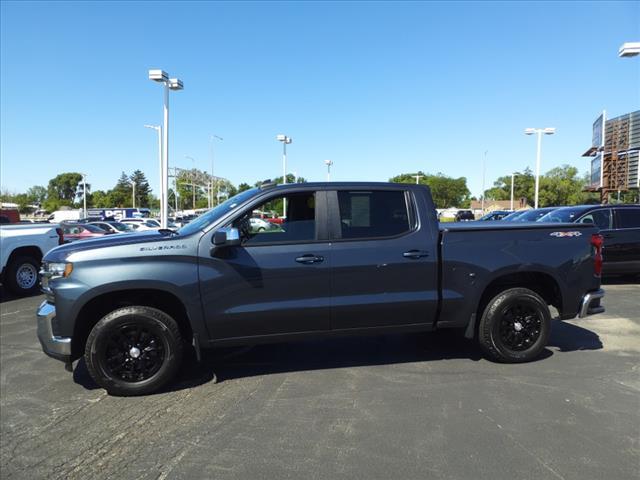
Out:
{"x": 420, "y": 406}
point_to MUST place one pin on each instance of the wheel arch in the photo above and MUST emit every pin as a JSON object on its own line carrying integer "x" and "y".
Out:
{"x": 97, "y": 307}
{"x": 541, "y": 283}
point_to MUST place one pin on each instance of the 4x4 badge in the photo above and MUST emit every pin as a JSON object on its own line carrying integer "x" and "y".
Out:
{"x": 565, "y": 234}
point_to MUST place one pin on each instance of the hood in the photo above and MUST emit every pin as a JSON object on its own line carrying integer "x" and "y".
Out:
{"x": 60, "y": 253}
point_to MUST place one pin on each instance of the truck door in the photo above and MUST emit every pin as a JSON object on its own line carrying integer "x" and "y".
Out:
{"x": 384, "y": 262}
{"x": 278, "y": 280}
{"x": 624, "y": 252}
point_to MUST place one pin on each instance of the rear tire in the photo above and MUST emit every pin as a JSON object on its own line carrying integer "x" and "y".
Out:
{"x": 134, "y": 351}
{"x": 22, "y": 275}
{"x": 515, "y": 326}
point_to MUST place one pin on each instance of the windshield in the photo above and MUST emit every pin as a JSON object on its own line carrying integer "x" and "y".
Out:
{"x": 513, "y": 216}
{"x": 530, "y": 215}
{"x": 93, "y": 228}
{"x": 121, "y": 227}
{"x": 203, "y": 221}
{"x": 562, "y": 215}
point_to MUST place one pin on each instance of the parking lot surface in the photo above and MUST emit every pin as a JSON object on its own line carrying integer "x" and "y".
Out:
{"x": 394, "y": 406}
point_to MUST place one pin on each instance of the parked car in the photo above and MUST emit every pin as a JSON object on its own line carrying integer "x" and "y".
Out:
{"x": 350, "y": 258}
{"x": 514, "y": 215}
{"x": 23, "y": 247}
{"x": 113, "y": 227}
{"x": 81, "y": 231}
{"x": 260, "y": 225}
{"x": 9, "y": 215}
{"x": 532, "y": 215}
{"x": 465, "y": 216}
{"x": 619, "y": 226}
{"x": 141, "y": 224}
{"x": 495, "y": 215}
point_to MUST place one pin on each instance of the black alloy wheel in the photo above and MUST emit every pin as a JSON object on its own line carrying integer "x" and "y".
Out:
{"x": 133, "y": 353}
{"x": 134, "y": 350}
{"x": 515, "y": 326}
{"x": 520, "y": 326}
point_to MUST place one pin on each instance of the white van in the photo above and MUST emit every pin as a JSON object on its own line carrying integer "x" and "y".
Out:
{"x": 62, "y": 215}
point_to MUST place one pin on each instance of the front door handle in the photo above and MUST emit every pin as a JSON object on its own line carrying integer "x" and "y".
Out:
{"x": 309, "y": 258}
{"x": 415, "y": 254}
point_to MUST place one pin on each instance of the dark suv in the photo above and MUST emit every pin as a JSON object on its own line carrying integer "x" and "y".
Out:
{"x": 464, "y": 216}
{"x": 620, "y": 227}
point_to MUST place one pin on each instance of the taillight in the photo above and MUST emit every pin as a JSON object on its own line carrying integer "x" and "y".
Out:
{"x": 596, "y": 242}
{"x": 60, "y": 233}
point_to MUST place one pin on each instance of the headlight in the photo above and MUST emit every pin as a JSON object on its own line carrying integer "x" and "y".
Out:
{"x": 57, "y": 270}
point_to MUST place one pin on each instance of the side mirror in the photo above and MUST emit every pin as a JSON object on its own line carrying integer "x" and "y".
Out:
{"x": 225, "y": 237}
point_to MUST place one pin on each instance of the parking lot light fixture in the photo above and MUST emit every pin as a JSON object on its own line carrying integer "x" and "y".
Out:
{"x": 513, "y": 175}
{"x": 212, "y": 138}
{"x": 84, "y": 193}
{"x": 285, "y": 141}
{"x": 538, "y": 132}
{"x": 629, "y": 49}
{"x": 328, "y": 163}
{"x": 160, "y": 76}
{"x": 158, "y": 129}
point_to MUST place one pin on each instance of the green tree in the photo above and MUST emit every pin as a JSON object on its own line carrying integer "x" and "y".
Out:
{"x": 562, "y": 186}
{"x": 37, "y": 194}
{"x": 446, "y": 191}
{"x": 243, "y": 187}
{"x": 523, "y": 187}
{"x": 122, "y": 194}
{"x": 62, "y": 190}
{"x": 143, "y": 189}
{"x": 99, "y": 199}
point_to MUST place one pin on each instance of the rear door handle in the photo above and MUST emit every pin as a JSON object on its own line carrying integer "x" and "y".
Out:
{"x": 309, "y": 258}
{"x": 415, "y": 254}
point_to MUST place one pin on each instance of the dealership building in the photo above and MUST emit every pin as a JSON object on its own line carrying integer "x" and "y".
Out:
{"x": 615, "y": 149}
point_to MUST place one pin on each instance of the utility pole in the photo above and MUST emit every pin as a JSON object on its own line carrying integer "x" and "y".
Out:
{"x": 417, "y": 177}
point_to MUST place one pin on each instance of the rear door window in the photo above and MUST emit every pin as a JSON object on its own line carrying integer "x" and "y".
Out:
{"x": 628, "y": 217}
{"x": 373, "y": 214}
{"x": 600, "y": 218}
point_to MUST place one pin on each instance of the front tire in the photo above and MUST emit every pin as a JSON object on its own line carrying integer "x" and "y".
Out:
{"x": 134, "y": 351}
{"x": 515, "y": 326}
{"x": 22, "y": 275}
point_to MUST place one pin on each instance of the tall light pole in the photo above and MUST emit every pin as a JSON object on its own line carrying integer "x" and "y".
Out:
{"x": 158, "y": 129}
{"x": 193, "y": 179}
{"x": 84, "y": 193}
{"x": 212, "y": 139}
{"x": 417, "y": 177}
{"x": 538, "y": 132}
{"x": 513, "y": 175}
{"x": 161, "y": 76}
{"x": 328, "y": 163}
{"x": 133, "y": 194}
{"x": 484, "y": 168}
{"x": 285, "y": 141}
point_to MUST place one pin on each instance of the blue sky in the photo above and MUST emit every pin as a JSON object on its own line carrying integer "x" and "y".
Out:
{"x": 379, "y": 88}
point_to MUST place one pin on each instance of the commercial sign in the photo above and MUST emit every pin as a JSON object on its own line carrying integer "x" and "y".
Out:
{"x": 597, "y": 139}
{"x": 596, "y": 171}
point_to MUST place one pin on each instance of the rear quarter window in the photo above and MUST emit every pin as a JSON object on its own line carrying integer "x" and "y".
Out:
{"x": 628, "y": 217}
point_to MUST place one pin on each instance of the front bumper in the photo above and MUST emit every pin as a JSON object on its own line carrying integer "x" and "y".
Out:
{"x": 590, "y": 304}
{"x": 54, "y": 346}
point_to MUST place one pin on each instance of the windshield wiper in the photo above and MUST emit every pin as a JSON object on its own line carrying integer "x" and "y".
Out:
{"x": 167, "y": 231}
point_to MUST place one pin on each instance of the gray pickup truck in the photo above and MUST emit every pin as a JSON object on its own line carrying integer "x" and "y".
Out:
{"x": 347, "y": 258}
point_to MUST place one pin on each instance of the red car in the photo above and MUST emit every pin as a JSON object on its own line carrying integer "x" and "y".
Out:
{"x": 82, "y": 232}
